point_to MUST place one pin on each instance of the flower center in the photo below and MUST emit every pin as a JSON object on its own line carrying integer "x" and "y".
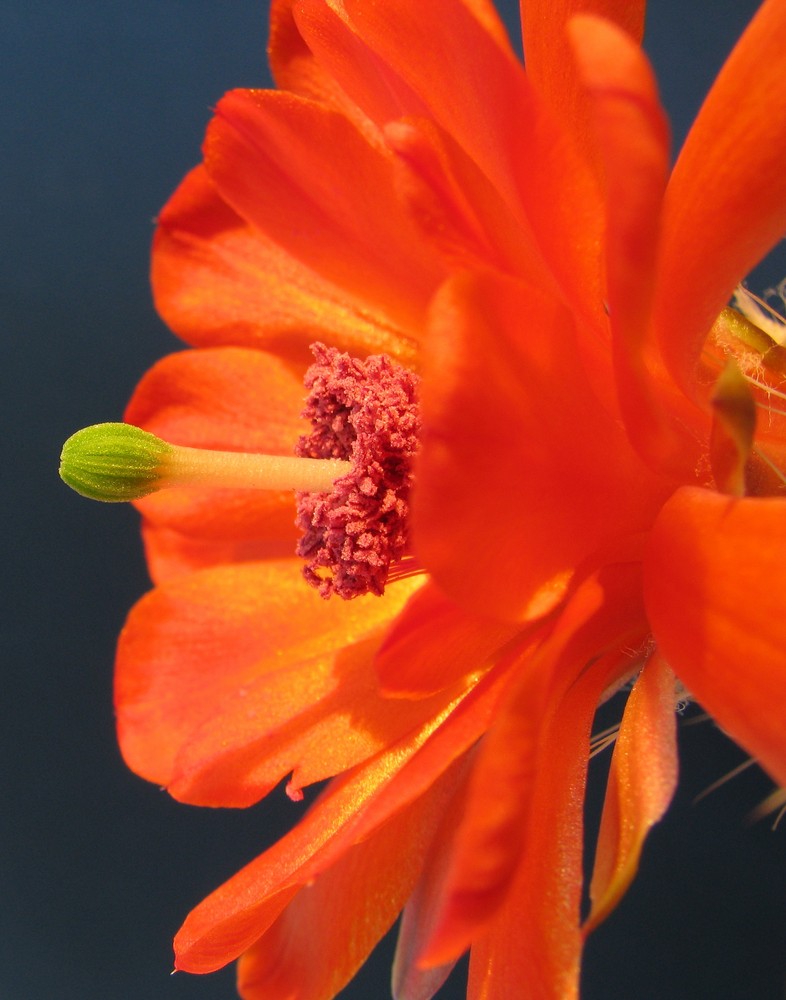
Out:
{"x": 352, "y": 473}
{"x": 365, "y": 412}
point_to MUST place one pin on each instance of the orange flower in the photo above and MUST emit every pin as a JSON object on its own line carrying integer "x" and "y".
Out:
{"x": 592, "y": 500}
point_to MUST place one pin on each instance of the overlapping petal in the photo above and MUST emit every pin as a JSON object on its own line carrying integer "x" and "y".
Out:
{"x": 251, "y": 620}
{"x": 433, "y": 644}
{"x": 632, "y": 136}
{"x": 641, "y": 784}
{"x": 348, "y": 909}
{"x": 456, "y": 207}
{"x": 714, "y": 584}
{"x": 218, "y": 281}
{"x": 549, "y": 62}
{"x": 410, "y": 979}
{"x": 725, "y": 206}
{"x": 505, "y": 809}
{"x": 259, "y": 153}
{"x": 511, "y": 432}
{"x": 471, "y": 86}
{"x": 383, "y": 56}
{"x": 355, "y": 805}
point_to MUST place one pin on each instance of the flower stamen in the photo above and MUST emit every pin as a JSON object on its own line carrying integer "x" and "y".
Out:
{"x": 365, "y": 411}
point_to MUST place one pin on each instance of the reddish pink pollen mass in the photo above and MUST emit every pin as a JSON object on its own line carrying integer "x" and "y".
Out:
{"x": 365, "y": 412}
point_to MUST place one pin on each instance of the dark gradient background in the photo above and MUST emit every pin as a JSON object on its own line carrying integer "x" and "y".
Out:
{"x": 103, "y": 110}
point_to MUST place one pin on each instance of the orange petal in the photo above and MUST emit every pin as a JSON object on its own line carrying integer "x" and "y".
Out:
{"x": 385, "y": 58}
{"x": 354, "y": 805}
{"x": 511, "y": 431}
{"x": 535, "y": 938}
{"x": 230, "y": 399}
{"x": 170, "y": 553}
{"x": 433, "y": 644}
{"x": 294, "y": 67}
{"x": 549, "y": 61}
{"x": 450, "y": 62}
{"x": 410, "y": 981}
{"x": 281, "y": 162}
{"x": 633, "y": 144}
{"x": 315, "y": 718}
{"x": 203, "y": 638}
{"x": 726, "y": 203}
{"x": 526, "y": 756}
{"x": 327, "y": 931}
{"x": 456, "y": 207}
{"x": 715, "y": 577}
{"x": 641, "y": 783}
{"x": 216, "y": 280}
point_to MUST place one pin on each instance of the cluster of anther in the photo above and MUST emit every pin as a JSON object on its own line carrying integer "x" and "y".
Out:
{"x": 365, "y": 412}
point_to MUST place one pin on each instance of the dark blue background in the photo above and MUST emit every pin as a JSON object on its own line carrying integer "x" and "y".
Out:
{"x": 102, "y": 113}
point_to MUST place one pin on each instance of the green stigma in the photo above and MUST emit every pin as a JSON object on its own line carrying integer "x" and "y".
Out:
{"x": 113, "y": 462}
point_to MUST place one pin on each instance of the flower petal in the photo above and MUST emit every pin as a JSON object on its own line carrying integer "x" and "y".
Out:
{"x": 327, "y": 931}
{"x": 295, "y": 68}
{"x": 641, "y": 783}
{"x": 347, "y": 225}
{"x": 473, "y": 87}
{"x": 633, "y": 143}
{"x": 456, "y": 207}
{"x": 526, "y": 756}
{"x": 410, "y": 981}
{"x": 384, "y": 57}
{"x": 201, "y": 639}
{"x": 510, "y": 432}
{"x": 549, "y": 61}
{"x": 216, "y": 280}
{"x": 353, "y": 806}
{"x": 433, "y": 644}
{"x": 229, "y": 399}
{"x": 726, "y": 202}
{"x": 315, "y": 718}
{"x": 714, "y": 583}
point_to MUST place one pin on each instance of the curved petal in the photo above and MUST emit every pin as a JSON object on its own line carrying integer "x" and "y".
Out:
{"x": 229, "y": 399}
{"x": 201, "y": 639}
{"x": 548, "y": 59}
{"x": 353, "y": 806}
{"x": 511, "y": 432}
{"x": 171, "y": 553}
{"x": 633, "y": 146}
{"x": 314, "y": 718}
{"x": 726, "y": 203}
{"x": 641, "y": 784}
{"x": 385, "y": 58}
{"x": 715, "y": 576}
{"x": 525, "y": 753}
{"x": 217, "y": 281}
{"x": 456, "y": 207}
{"x": 295, "y": 68}
{"x": 449, "y": 61}
{"x": 281, "y": 162}
{"x": 433, "y": 644}
{"x": 410, "y": 981}
{"x": 326, "y": 933}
